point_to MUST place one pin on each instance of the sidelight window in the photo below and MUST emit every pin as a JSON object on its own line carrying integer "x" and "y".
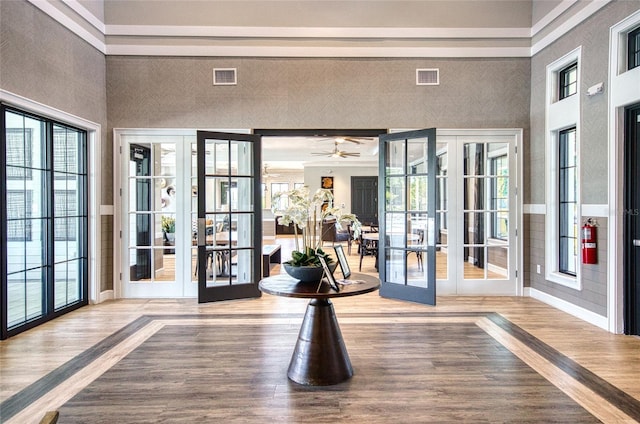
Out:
{"x": 567, "y": 202}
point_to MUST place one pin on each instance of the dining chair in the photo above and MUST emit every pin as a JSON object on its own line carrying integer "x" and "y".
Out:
{"x": 368, "y": 248}
{"x": 417, "y": 247}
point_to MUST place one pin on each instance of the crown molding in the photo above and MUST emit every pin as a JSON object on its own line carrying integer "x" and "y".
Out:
{"x": 292, "y": 33}
{"x": 86, "y": 15}
{"x": 568, "y": 25}
{"x": 314, "y": 32}
{"x": 69, "y": 23}
{"x": 342, "y": 52}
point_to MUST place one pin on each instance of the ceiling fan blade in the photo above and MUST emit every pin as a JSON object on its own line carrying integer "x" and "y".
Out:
{"x": 321, "y": 153}
{"x": 355, "y": 155}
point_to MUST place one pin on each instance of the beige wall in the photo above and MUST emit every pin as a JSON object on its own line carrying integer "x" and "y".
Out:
{"x": 44, "y": 62}
{"x": 593, "y": 37}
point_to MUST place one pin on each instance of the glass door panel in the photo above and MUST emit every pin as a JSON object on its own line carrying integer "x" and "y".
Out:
{"x": 486, "y": 211}
{"x": 442, "y": 211}
{"x": 476, "y": 213}
{"x": 229, "y": 216}
{"x": 157, "y": 226}
{"x": 407, "y": 239}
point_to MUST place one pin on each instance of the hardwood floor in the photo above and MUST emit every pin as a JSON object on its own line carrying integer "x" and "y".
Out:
{"x": 468, "y": 359}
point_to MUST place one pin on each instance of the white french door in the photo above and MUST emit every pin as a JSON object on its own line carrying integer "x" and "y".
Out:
{"x": 157, "y": 207}
{"x": 477, "y": 212}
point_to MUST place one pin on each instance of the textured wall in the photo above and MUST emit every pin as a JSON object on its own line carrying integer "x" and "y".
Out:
{"x": 317, "y": 93}
{"x": 593, "y": 36}
{"x": 44, "y": 62}
{"x": 593, "y": 295}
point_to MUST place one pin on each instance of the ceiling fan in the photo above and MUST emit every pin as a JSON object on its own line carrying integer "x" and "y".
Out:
{"x": 267, "y": 174}
{"x": 336, "y": 153}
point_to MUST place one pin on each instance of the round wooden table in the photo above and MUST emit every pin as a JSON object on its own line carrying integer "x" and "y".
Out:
{"x": 320, "y": 357}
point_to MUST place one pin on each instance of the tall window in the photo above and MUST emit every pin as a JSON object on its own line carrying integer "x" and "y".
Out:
{"x": 633, "y": 46}
{"x": 44, "y": 220}
{"x": 499, "y": 192}
{"x": 568, "y": 81}
{"x": 568, "y": 202}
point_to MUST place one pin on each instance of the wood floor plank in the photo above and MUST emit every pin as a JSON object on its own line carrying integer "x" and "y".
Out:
{"x": 433, "y": 358}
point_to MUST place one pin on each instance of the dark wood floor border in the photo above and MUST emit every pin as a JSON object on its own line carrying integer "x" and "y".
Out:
{"x": 618, "y": 398}
{"x": 16, "y": 403}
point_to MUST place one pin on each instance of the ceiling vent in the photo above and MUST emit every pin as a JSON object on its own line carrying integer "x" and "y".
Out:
{"x": 224, "y": 76}
{"x": 427, "y": 76}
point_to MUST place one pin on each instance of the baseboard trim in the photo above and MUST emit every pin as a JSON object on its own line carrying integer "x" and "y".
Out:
{"x": 105, "y": 295}
{"x": 570, "y": 308}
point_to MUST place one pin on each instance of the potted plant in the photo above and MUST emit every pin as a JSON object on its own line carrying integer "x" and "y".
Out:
{"x": 168, "y": 224}
{"x": 307, "y": 213}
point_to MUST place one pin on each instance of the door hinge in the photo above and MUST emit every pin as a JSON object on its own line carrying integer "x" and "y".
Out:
{"x": 515, "y": 150}
{"x": 120, "y": 149}
{"x": 516, "y": 273}
{"x": 120, "y": 233}
{"x": 516, "y": 232}
{"x": 120, "y": 276}
{"x": 120, "y": 192}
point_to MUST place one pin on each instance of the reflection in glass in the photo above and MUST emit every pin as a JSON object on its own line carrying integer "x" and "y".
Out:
{"x": 474, "y": 158}
{"x": 395, "y": 157}
{"x": 395, "y": 193}
{"x": 395, "y": 266}
{"x": 497, "y": 262}
{"x": 417, "y": 156}
{"x": 418, "y": 192}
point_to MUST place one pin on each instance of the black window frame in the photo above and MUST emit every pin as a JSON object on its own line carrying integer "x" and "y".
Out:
{"x": 633, "y": 49}
{"x": 50, "y": 262}
{"x": 565, "y": 237}
{"x": 566, "y": 88}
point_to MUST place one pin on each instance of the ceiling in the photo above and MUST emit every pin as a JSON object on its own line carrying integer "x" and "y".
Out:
{"x": 294, "y": 153}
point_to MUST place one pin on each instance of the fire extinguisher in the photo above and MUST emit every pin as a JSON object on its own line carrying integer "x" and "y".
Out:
{"x": 589, "y": 244}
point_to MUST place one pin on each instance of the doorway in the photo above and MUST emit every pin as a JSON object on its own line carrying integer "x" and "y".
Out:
{"x": 478, "y": 212}
{"x": 632, "y": 220}
{"x": 364, "y": 199}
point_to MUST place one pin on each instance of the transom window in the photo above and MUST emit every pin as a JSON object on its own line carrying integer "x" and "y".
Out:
{"x": 568, "y": 202}
{"x": 568, "y": 81}
{"x": 633, "y": 46}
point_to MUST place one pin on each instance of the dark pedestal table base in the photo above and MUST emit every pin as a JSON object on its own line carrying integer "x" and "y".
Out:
{"x": 320, "y": 357}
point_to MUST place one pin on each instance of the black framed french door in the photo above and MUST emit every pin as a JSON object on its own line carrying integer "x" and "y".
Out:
{"x": 632, "y": 221}
{"x": 229, "y": 230}
{"x": 407, "y": 211}
{"x": 44, "y": 220}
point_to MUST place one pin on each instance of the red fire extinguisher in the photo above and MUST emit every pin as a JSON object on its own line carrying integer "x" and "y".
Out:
{"x": 589, "y": 244}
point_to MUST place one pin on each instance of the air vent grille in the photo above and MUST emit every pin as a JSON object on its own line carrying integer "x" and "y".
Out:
{"x": 427, "y": 76}
{"x": 226, "y": 76}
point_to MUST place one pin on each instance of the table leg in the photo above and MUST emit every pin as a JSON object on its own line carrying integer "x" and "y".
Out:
{"x": 320, "y": 357}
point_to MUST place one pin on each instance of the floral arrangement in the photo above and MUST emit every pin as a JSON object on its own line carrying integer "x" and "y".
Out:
{"x": 308, "y": 213}
{"x": 168, "y": 224}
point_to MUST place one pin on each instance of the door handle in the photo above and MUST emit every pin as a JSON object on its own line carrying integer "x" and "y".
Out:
{"x": 636, "y": 242}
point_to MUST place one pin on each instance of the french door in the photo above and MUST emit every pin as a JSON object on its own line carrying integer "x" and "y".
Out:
{"x": 407, "y": 198}
{"x": 158, "y": 205}
{"x": 189, "y": 214}
{"x": 477, "y": 212}
{"x": 229, "y": 216}
{"x": 632, "y": 221}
